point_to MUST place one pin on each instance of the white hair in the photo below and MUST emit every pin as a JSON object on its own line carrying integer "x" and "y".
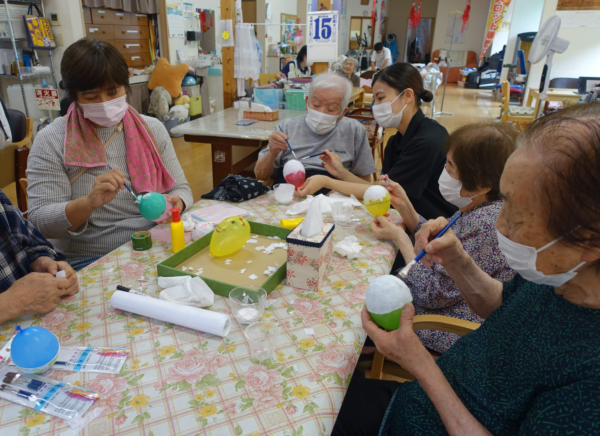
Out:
{"x": 354, "y": 61}
{"x": 332, "y": 81}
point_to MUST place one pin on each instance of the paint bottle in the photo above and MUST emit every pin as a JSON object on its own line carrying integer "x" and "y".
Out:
{"x": 177, "y": 232}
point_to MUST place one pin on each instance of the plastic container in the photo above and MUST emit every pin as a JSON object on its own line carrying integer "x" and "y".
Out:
{"x": 177, "y": 231}
{"x": 269, "y": 97}
{"x": 296, "y": 99}
{"x": 263, "y": 338}
{"x": 34, "y": 349}
{"x": 247, "y": 303}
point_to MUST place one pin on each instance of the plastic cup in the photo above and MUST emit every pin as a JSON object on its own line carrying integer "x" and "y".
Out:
{"x": 284, "y": 193}
{"x": 247, "y": 303}
{"x": 263, "y": 339}
{"x": 342, "y": 213}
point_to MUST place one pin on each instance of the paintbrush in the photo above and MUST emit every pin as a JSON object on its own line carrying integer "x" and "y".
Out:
{"x": 14, "y": 378}
{"x": 288, "y": 143}
{"x": 18, "y": 392}
{"x": 404, "y": 272}
{"x": 124, "y": 184}
{"x": 313, "y": 155}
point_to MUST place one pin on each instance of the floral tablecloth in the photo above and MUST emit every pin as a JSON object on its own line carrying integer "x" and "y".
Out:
{"x": 179, "y": 381}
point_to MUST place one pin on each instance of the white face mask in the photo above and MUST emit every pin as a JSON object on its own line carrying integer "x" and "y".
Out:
{"x": 319, "y": 122}
{"x": 523, "y": 258}
{"x": 384, "y": 116}
{"x": 450, "y": 190}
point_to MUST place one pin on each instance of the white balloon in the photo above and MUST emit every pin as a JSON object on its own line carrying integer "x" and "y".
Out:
{"x": 386, "y": 294}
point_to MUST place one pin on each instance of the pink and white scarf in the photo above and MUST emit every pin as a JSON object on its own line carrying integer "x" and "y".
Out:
{"x": 83, "y": 147}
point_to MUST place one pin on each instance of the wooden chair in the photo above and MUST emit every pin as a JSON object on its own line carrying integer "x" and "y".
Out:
{"x": 420, "y": 322}
{"x": 265, "y": 79}
{"x": 519, "y": 115}
{"x": 376, "y": 143}
{"x": 14, "y": 157}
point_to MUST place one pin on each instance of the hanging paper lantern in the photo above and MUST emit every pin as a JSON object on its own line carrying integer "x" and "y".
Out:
{"x": 465, "y": 16}
{"x": 412, "y": 17}
{"x": 299, "y": 38}
{"x": 418, "y": 21}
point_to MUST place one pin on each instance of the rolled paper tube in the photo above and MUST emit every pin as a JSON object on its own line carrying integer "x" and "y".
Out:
{"x": 206, "y": 321}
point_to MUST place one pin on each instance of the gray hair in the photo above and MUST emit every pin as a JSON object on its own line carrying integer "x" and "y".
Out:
{"x": 354, "y": 61}
{"x": 332, "y": 81}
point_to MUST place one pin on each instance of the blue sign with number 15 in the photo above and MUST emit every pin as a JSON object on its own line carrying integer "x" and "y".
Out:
{"x": 323, "y": 28}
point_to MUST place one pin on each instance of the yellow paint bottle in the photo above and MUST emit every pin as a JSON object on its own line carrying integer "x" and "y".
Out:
{"x": 177, "y": 231}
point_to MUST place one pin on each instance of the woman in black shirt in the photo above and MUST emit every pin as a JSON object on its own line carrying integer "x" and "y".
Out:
{"x": 414, "y": 157}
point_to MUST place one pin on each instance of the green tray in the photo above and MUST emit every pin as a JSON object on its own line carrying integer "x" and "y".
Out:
{"x": 167, "y": 267}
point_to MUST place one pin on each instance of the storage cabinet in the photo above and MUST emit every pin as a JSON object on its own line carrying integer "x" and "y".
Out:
{"x": 126, "y": 31}
{"x": 87, "y": 15}
{"x": 131, "y": 32}
{"x": 137, "y": 60}
{"x": 110, "y": 16}
{"x": 100, "y": 31}
{"x": 139, "y": 19}
{"x": 131, "y": 46}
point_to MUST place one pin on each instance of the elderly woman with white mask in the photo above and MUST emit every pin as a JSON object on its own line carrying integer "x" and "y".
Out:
{"x": 533, "y": 367}
{"x": 323, "y": 128}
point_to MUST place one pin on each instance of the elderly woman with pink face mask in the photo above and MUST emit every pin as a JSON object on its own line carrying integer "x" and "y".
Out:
{"x": 80, "y": 165}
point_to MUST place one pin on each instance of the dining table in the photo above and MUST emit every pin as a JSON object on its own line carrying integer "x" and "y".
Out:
{"x": 178, "y": 381}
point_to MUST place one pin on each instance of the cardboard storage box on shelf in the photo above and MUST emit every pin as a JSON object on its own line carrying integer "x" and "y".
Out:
{"x": 309, "y": 259}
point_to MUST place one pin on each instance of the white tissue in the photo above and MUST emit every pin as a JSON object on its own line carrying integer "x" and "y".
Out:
{"x": 326, "y": 203}
{"x": 191, "y": 291}
{"x": 188, "y": 223}
{"x": 349, "y": 247}
{"x": 61, "y": 274}
{"x": 201, "y": 229}
{"x": 313, "y": 224}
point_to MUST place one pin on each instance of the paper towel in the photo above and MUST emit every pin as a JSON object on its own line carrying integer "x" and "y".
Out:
{"x": 206, "y": 321}
{"x": 349, "y": 247}
{"x": 192, "y": 291}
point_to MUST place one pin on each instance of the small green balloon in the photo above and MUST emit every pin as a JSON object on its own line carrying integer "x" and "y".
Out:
{"x": 152, "y": 205}
{"x": 389, "y": 321}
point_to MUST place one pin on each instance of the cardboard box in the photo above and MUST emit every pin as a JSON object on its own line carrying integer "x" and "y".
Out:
{"x": 309, "y": 259}
{"x": 168, "y": 267}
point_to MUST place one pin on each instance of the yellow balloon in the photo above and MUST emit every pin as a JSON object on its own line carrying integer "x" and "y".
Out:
{"x": 229, "y": 236}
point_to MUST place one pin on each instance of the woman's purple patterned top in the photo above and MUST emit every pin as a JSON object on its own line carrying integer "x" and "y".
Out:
{"x": 435, "y": 293}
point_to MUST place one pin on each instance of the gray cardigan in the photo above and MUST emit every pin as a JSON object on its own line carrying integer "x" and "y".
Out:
{"x": 109, "y": 226}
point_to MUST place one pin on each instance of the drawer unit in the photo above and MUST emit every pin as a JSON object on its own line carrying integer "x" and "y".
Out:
{"x": 132, "y": 46}
{"x": 110, "y": 16}
{"x": 139, "y": 19}
{"x": 137, "y": 60}
{"x": 131, "y": 32}
{"x": 87, "y": 15}
{"x": 100, "y": 31}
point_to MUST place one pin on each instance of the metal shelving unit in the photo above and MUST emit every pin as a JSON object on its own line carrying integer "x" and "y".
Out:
{"x": 23, "y": 76}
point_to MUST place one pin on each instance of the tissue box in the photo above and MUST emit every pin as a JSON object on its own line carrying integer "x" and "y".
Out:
{"x": 309, "y": 259}
{"x": 261, "y": 116}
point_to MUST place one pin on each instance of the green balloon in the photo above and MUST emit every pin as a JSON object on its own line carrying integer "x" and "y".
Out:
{"x": 152, "y": 205}
{"x": 389, "y": 321}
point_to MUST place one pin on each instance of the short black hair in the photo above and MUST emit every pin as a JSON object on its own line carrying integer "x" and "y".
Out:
{"x": 569, "y": 183}
{"x": 92, "y": 64}
{"x": 378, "y": 46}
{"x": 302, "y": 54}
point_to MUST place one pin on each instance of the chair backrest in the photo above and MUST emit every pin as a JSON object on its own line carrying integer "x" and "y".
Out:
{"x": 522, "y": 63}
{"x": 564, "y": 82}
{"x": 505, "y": 95}
{"x": 266, "y": 78}
{"x": 18, "y": 124}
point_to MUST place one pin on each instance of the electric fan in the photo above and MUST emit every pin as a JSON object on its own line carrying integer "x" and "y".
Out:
{"x": 545, "y": 44}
